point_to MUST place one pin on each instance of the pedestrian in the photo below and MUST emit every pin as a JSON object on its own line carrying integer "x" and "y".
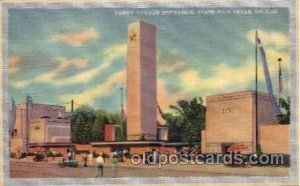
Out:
{"x": 114, "y": 167}
{"x": 90, "y": 158}
{"x": 146, "y": 160}
{"x": 246, "y": 162}
{"x": 65, "y": 157}
{"x": 84, "y": 158}
{"x": 69, "y": 155}
{"x": 100, "y": 164}
{"x": 53, "y": 154}
{"x": 155, "y": 156}
{"x": 45, "y": 154}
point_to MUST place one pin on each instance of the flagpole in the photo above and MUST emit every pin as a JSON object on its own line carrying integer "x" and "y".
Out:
{"x": 279, "y": 80}
{"x": 71, "y": 129}
{"x": 27, "y": 122}
{"x": 256, "y": 101}
{"x": 122, "y": 114}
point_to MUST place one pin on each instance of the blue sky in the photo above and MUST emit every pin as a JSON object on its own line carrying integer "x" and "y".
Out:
{"x": 57, "y": 55}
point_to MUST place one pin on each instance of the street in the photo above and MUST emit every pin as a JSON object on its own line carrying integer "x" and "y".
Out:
{"x": 26, "y": 169}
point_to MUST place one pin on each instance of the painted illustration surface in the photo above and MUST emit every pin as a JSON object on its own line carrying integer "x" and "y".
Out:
{"x": 151, "y": 92}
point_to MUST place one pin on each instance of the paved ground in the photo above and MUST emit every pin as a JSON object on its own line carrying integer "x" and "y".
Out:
{"x": 26, "y": 169}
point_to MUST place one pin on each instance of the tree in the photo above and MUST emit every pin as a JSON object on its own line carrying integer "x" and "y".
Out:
{"x": 124, "y": 130}
{"x": 83, "y": 119}
{"x": 88, "y": 124}
{"x": 175, "y": 127}
{"x": 187, "y": 120}
{"x": 98, "y": 127}
{"x": 284, "y": 117}
{"x": 190, "y": 133}
{"x": 103, "y": 117}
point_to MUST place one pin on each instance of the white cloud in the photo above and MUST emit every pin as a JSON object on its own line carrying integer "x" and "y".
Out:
{"x": 13, "y": 62}
{"x": 110, "y": 54}
{"x": 226, "y": 78}
{"x": 79, "y": 63}
{"x": 278, "y": 39}
{"x": 76, "y": 39}
{"x": 63, "y": 65}
{"x": 223, "y": 77}
{"x": 165, "y": 98}
{"x": 49, "y": 76}
{"x": 89, "y": 95}
{"x": 170, "y": 68}
{"x": 272, "y": 58}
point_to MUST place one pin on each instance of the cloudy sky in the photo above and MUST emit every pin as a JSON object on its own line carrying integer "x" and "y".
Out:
{"x": 57, "y": 55}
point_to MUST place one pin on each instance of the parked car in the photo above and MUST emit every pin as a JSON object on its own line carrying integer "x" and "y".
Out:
{"x": 66, "y": 163}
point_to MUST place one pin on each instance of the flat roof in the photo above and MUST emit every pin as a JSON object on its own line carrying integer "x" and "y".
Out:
{"x": 162, "y": 143}
{"x": 49, "y": 144}
{"x": 238, "y": 94}
{"x": 42, "y": 104}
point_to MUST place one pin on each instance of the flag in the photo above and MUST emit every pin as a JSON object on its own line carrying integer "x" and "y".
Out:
{"x": 160, "y": 111}
{"x": 267, "y": 78}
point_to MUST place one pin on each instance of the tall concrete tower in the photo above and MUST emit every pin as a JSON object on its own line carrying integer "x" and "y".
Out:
{"x": 141, "y": 82}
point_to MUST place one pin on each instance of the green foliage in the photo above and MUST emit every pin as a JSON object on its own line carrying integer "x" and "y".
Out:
{"x": 88, "y": 124}
{"x": 124, "y": 132}
{"x": 284, "y": 117}
{"x": 190, "y": 133}
{"x": 83, "y": 120}
{"x": 186, "y": 121}
{"x": 175, "y": 126}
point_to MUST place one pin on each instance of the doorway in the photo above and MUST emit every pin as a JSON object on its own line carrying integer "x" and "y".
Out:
{"x": 225, "y": 147}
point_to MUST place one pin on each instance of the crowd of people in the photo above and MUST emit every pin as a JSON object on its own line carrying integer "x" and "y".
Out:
{"x": 91, "y": 158}
{"x": 152, "y": 157}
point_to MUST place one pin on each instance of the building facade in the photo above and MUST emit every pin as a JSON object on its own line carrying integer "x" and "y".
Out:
{"x": 275, "y": 138}
{"x": 45, "y": 131}
{"x": 109, "y": 132}
{"x": 39, "y": 123}
{"x": 141, "y": 82}
{"x": 231, "y": 121}
{"x": 162, "y": 133}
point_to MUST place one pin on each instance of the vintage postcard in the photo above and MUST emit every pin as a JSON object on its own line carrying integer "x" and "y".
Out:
{"x": 136, "y": 93}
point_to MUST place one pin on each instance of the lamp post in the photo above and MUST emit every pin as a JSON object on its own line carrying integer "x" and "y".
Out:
{"x": 122, "y": 115}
